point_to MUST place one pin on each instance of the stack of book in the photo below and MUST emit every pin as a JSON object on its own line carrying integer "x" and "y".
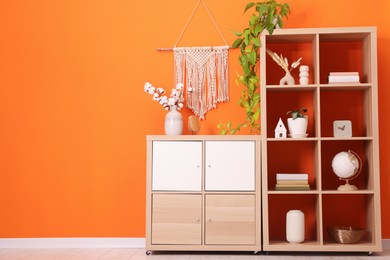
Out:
{"x": 343, "y": 77}
{"x": 292, "y": 181}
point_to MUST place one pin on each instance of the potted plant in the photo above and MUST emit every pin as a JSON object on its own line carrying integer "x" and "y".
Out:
{"x": 269, "y": 16}
{"x": 297, "y": 123}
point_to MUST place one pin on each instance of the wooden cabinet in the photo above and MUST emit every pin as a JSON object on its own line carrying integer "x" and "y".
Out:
{"x": 324, "y": 50}
{"x": 203, "y": 193}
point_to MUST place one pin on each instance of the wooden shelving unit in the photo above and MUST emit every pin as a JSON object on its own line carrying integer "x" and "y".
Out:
{"x": 324, "y": 50}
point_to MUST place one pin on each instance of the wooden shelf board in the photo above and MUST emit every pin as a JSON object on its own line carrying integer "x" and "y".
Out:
{"x": 364, "y": 246}
{"x": 278, "y": 88}
{"x": 326, "y": 247}
{"x": 286, "y": 246}
{"x": 358, "y": 138}
{"x": 348, "y": 192}
{"x": 304, "y": 192}
{"x": 292, "y": 139}
{"x": 345, "y": 86}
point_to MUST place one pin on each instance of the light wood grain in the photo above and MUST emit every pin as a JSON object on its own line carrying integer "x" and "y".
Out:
{"x": 230, "y": 219}
{"x": 176, "y": 219}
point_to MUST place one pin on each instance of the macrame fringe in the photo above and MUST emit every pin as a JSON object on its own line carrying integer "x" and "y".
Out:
{"x": 205, "y": 71}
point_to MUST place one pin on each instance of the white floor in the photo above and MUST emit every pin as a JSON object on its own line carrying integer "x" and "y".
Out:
{"x": 119, "y": 254}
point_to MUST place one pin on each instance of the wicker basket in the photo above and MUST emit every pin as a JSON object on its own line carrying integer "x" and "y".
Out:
{"x": 346, "y": 234}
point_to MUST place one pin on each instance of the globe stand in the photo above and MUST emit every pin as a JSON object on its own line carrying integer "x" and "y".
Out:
{"x": 347, "y": 186}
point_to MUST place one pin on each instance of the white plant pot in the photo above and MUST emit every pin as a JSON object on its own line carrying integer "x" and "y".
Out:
{"x": 297, "y": 127}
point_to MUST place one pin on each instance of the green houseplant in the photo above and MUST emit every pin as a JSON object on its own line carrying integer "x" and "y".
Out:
{"x": 297, "y": 113}
{"x": 297, "y": 123}
{"x": 268, "y": 16}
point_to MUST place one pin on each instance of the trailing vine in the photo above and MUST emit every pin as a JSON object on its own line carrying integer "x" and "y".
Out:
{"x": 268, "y": 16}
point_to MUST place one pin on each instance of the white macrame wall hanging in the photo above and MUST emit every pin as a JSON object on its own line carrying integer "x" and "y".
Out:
{"x": 204, "y": 72}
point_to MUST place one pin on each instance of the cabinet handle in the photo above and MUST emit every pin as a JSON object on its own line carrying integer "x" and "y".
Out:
{"x": 209, "y": 165}
{"x": 197, "y": 166}
{"x": 198, "y": 220}
{"x": 210, "y": 220}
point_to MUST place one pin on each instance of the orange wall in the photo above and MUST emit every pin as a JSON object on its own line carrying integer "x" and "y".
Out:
{"x": 73, "y": 115}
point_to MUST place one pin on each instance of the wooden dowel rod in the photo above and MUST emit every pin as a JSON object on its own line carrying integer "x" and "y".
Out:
{"x": 164, "y": 49}
{"x": 171, "y": 49}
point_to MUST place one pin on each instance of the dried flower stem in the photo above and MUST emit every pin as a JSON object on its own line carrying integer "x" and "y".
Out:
{"x": 283, "y": 62}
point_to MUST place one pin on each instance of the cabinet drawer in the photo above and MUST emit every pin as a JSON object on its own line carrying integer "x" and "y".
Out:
{"x": 230, "y": 166}
{"x": 177, "y": 166}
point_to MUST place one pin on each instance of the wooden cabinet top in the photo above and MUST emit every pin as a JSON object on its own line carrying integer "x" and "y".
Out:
{"x": 203, "y": 137}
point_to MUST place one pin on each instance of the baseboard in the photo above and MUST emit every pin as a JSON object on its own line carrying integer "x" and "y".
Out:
{"x": 89, "y": 243}
{"x": 386, "y": 244}
{"x": 72, "y": 243}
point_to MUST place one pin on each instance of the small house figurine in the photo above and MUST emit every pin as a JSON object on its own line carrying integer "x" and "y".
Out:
{"x": 280, "y": 130}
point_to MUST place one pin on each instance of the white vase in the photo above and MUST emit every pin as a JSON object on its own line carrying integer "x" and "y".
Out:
{"x": 304, "y": 75}
{"x": 295, "y": 226}
{"x": 297, "y": 127}
{"x": 173, "y": 122}
{"x": 287, "y": 79}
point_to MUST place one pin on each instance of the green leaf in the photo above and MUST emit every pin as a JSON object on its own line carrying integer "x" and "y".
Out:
{"x": 244, "y": 60}
{"x": 262, "y": 8}
{"x": 247, "y": 37}
{"x": 249, "y": 6}
{"x": 229, "y": 125}
{"x": 237, "y": 42}
{"x": 285, "y": 10}
{"x": 252, "y": 57}
{"x": 253, "y": 19}
{"x": 256, "y": 116}
{"x": 256, "y": 42}
{"x": 254, "y": 80}
{"x": 280, "y": 23}
{"x": 236, "y": 33}
{"x": 259, "y": 28}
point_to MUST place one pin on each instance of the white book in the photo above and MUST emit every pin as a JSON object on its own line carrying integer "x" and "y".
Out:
{"x": 343, "y": 79}
{"x": 292, "y": 176}
{"x": 349, "y": 73}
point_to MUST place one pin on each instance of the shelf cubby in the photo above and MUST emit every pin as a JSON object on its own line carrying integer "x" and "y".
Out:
{"x": 287, "y": 100}
{"x": 330, "y": 148}
{"x": 281, "y": 160}
{"x": 345, "y": 104}
{"x": 280, "y": 204}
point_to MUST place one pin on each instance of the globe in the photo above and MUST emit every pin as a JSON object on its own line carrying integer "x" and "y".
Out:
{"x": 347, "y": 166}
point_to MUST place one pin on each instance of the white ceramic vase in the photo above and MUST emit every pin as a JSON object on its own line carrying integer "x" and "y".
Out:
{"x": 304, "y": 75}
{"x": 287, "y": 79}
{"x": 173, "y": 122}
{"x": 297, "y": 127}
{"x": 295, "y": 226}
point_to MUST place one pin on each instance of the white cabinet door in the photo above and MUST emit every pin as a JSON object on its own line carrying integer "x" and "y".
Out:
{"x": 230, "y": 165}
{"x": 177, "y": 165}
